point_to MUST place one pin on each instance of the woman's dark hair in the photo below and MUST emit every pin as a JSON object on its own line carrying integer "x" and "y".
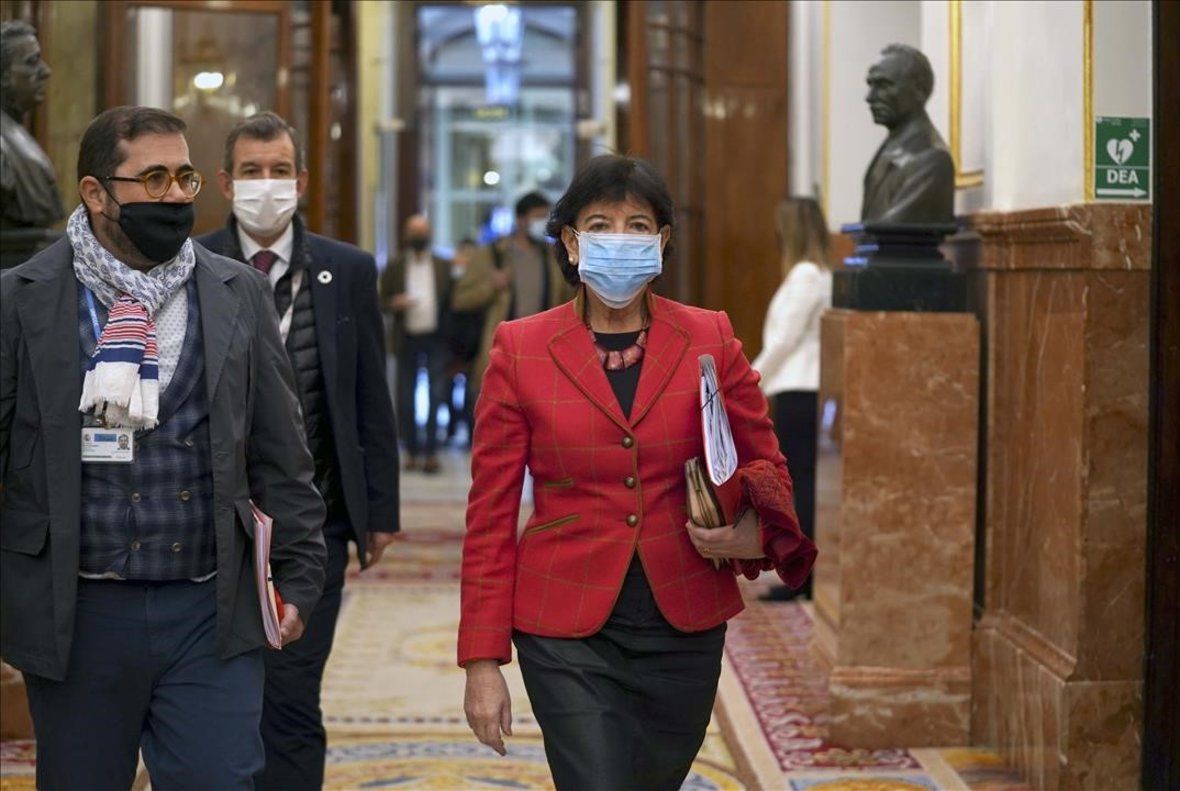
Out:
{"x": 611, "y": 178}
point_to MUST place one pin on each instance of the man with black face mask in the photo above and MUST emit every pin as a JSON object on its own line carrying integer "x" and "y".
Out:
{"x": 145, "y": 400}
{"x": 416, "y": 289}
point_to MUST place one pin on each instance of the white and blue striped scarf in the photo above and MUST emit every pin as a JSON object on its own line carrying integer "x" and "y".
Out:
{"x": 122, "y": 383}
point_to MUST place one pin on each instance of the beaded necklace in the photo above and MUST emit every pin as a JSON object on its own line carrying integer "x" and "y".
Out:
{"x": 617, "y": 360}
{"x": 611, "y": 359}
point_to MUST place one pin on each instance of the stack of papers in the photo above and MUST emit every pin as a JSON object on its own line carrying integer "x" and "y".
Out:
{"x": 268, "y": 597}
{"x": 710, "y": 503}
{"x": 720, "y": 454}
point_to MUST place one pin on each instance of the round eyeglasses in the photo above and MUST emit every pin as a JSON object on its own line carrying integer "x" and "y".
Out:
{"x": 158, "y": 182}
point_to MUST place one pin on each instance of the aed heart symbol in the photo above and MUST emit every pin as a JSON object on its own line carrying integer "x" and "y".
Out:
{"x": 1120, "y": 150}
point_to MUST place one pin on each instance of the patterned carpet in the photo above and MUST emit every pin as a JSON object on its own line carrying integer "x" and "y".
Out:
{"x": 393, "y": 696}
{"x": 773, "y": 704}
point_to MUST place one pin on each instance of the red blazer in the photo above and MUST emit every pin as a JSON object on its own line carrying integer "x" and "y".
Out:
{"x": 605, "y": 486}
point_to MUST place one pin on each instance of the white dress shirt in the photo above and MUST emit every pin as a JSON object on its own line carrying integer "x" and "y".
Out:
{"x": 171, "y": 327}
{"x": 283, "y": 247}
{"x": 422, "y": 316}
{"x": 790, "y": 336}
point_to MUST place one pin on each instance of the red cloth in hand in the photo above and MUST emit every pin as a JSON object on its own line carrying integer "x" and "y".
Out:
{"x": 790, "y": 553}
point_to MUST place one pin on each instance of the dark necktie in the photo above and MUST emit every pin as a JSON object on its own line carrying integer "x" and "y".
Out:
{"x": 263, "y": 260}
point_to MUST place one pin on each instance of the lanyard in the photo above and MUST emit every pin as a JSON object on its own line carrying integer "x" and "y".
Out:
{"x": 93, "y": 314}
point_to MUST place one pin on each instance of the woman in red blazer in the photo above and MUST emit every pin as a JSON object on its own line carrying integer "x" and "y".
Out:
{"x": 611, "y": 596}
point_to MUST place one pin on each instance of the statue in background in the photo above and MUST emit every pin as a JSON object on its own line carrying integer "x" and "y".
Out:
{"x": 29, "y": 200}
{"x": 912, "y": 177}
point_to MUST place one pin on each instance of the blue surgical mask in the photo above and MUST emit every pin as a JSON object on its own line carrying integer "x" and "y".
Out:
{"x": 617, "y": 266}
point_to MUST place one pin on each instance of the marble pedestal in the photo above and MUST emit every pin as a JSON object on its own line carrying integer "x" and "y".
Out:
{"x": 1065, "y": 295}
{"x": 899, "y": 395}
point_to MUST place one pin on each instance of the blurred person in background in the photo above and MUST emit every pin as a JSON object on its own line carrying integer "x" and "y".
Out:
{"x": 416, "y": 289}
{"x": 324, "y": 293}
{"x": 513, "y": 277}
{"x": 466, "y": 328}
{"x": 789, "y": 362}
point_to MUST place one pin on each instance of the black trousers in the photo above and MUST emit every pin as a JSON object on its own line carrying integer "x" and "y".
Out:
{"x": 144, "y": 674}
{"x": 796, "y": 425}
{"x": 292, "y": 722}
{"x": 626, "y": 708}
{"x": 417, "y": 352}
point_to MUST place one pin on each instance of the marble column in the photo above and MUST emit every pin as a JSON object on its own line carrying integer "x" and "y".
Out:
{"x": 1064, "y": 296}
{"x": 896, "y": 525}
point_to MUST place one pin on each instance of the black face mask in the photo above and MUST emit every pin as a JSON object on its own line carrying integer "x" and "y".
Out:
{"x": 418, "y": 243}
{"x": 158, "y": 230}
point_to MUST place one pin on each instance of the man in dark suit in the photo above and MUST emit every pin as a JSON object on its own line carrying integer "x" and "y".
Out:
{"x": 325, "y": 294}
{"x": 912, "y": 177}
{"x": 416, "y": 289}
{"x": 127, "y": 590}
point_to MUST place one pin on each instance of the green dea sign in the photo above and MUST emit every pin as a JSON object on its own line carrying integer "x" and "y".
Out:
{"x": 1122, "y": 158}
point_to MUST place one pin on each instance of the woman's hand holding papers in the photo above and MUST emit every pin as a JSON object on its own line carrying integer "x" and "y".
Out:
{"x": 741, "y": 541}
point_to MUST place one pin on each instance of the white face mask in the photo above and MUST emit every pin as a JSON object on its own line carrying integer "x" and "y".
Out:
{"x": 265, "y": 206}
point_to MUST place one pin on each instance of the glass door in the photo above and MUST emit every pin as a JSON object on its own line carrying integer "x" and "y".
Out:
{"x": 212, "y": 65}
{"x": 497, "y": 113}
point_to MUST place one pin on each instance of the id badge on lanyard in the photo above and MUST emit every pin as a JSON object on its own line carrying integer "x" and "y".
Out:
{"x": 110, "y": 445}
{"x": 101, "y": 443}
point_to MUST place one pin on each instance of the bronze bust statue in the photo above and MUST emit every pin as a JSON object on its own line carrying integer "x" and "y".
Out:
{"x": 29, "y": 200}
{"x": 912, "y": 177}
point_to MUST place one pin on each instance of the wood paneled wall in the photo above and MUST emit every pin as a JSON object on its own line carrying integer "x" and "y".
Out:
{"x": 709, "y": 108}
{"x": 664, "y": 63}
{"x": 745, "y": 158}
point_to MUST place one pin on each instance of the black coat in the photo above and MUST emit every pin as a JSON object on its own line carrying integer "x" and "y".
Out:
{"x": 349, "y": 331}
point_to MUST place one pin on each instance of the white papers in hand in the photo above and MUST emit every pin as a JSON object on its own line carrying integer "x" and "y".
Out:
{"x": 267, "y": 597}
{"x": 720, "y": 453}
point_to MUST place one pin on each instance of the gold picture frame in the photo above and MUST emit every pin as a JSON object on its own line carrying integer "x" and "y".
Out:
{"x": 964, "y": 179}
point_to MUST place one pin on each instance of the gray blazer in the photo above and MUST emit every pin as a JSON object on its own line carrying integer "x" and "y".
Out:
{"x": 256, "y": 439}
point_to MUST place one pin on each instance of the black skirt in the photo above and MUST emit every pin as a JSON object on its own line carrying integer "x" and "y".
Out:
{"x": 626, "y": 708}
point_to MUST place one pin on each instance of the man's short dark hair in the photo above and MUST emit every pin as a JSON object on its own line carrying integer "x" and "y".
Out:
{"x": 612, "y": 178}
{"x": 264, "y": 126}
{"x": 100, "y": 153}
{"x": 12, "y": 31}
{"x": 917, "y": 67}
{"x": 530, "y": 201}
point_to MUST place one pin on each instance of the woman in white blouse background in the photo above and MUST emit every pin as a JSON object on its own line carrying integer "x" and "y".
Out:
{"x": 789, "y": 362}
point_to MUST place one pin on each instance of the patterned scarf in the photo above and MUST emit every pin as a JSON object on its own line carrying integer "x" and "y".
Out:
{"x": 122, "y": 383}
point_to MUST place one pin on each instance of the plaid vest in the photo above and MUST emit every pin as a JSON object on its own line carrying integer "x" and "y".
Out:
{"x": 153, "y": 519}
